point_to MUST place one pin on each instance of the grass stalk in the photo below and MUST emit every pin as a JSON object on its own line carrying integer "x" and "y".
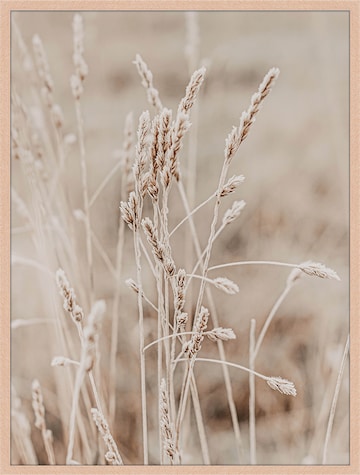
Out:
{"x": 252, "y": 427}
{"x": 334, "y": 401}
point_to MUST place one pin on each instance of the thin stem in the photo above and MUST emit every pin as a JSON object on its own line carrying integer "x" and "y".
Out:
{"x": 148, "y": 258}
{"x": 74, "y": 405}
{"x": 22, "y": 322}
{"x": 214, "y": 317}
{"x": 47, "y": 439}
{"x": 158, "y": 274}
{"x": 164, "y": 216}
{"x": 335, "y": 400}
{"x": 211, "y": 235}
{"x": 159, "y": 374}
{"x": 270, "y": 317}
{"x": 183, "y": 397}
{"x": 192, "y": 213}
{"x": 141, "y": 347}
{"x": 188, "y": 372}
{"x": 103, "y": 254}
{"x": 252, "y": 427}
{"x": 200, "y": 259}
{"x": 115, "y": 309}
{"x": 166, "y": 316}
{"x": 174, "y": 335}
{"x": 166, "y": 338}
{"x": 95, "y": 391}
{"x": 200, "y": 277}
{"x": 245, "y": 263}
{"x": 31, "y": 263}
{"x": 115, "y": 322}
{"x": 199, "y": 421}
{"x": 79, "y": 120}
{"x": 233, "y": 365}
{"x": 103, "y": 184}
{"x": 148, "y": 301}
{"x": 90, "y": 372}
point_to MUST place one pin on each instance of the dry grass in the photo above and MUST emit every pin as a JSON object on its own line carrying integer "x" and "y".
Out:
{"x": 138, "y": 363}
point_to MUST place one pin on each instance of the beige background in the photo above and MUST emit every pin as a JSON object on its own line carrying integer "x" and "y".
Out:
{"x": 295, "y": 160}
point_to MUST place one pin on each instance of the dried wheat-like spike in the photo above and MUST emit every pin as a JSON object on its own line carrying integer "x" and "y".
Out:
{"x": 152, "y": 186}
{"x": 147, "y": 82}
{"x": 141, "y": 155}
{"x": 163, "y": 137}
{"x": 76, "y": 86}
{"x": 38, "y": 405}
{"x": 166, "y": 176}
{"x": 144, "y": 184}
{"x": 151, "y": 234}
{"x": 81, "y": 68}
{"x": 35, "y": 139}
{"x": 110, "y": 457}
{"x": 181, "y": 320}
{"x": 62, "y": 361}
{"x": 232, "y": 184}
{"x": 166, "y": 427}
{"x": 160, "y": 252}
{"x": 282, "y": 385}
{"x": 192, "y": 90}
{"x": 103, "y": 427}
{"x": 39, "y": 411}
{"x": 154, "y": 144}
{"x": 21, "y": 431}
{"x": 181, "y": 126}
{"x": 57, "y": 116}
{"x": 127, "y": 151}
{"x": 169, "y": 266}
{"x": 129, "y": 211}
{"x": 239, "y": 134}
{"x": 42, "y": 65}
{"x": 221, "y": 333}
{"x": 234, "y": 212}
{"x": 91, "y": 333}
{"x": 132, "y": 285}
{"x": 67, "y": 292}
{"x": 318, "y": 270}
{"x": 15, "y": 144}
{"x": 141, "y": 148}
{"x": 193, "y": 346}
{"x": 179, "y": 298}
{"x": 227, "y": 285}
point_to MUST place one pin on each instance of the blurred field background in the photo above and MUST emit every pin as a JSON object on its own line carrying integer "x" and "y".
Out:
{"x": 296, "y": 164}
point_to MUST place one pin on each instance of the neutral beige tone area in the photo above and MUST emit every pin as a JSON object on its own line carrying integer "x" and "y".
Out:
{"x": 296, "y": 153}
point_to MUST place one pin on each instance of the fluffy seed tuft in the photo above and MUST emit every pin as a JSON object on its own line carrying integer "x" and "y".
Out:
{"x": 282, "y": 385}
{"x": 318, "y": 270}
{"x": 227, "y": 285}
{"x": 221, "y": 333}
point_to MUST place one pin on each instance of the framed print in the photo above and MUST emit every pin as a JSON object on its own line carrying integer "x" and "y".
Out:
{"x": 180, "y": 237}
